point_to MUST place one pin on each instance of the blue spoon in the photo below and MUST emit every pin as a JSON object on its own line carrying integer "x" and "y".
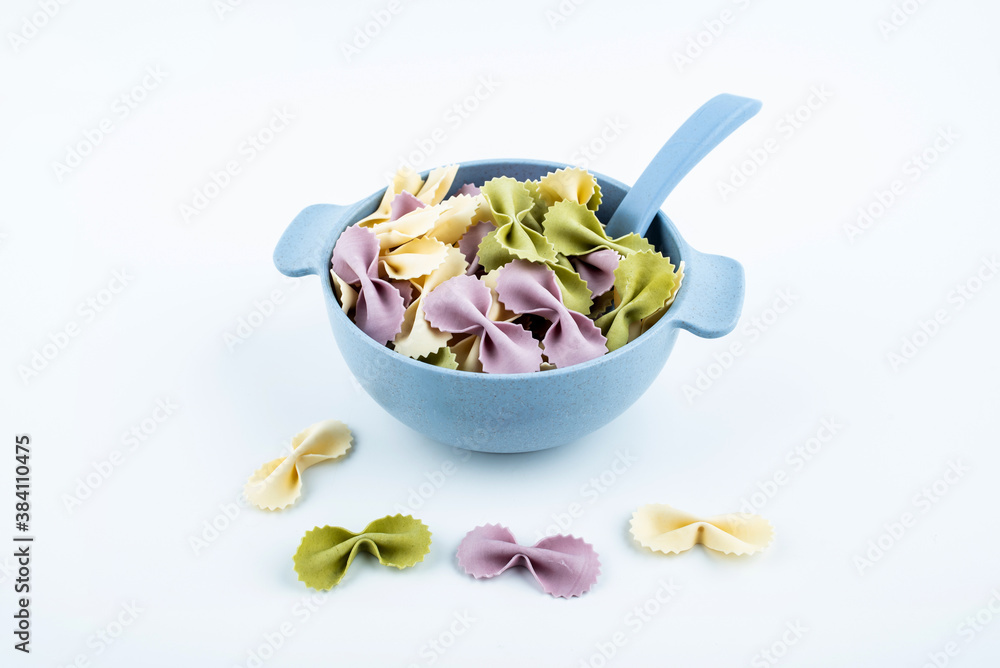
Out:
{"x": 703, "y": 131}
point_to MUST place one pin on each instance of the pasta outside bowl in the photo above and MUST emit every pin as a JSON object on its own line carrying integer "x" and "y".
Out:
{"x": 508, "y": 413}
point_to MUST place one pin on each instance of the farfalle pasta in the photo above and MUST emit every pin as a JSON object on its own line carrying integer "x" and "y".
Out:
{"x": 505, "y": 276}
{"x": 278, "y": 483}
{"x": 378, "y": 304}
{"x": 325, "y": 553}
{"x": 461, "y": 305}
{"x": 665, "y": 529}
{"x": 571, "y": 338}
{"x": 565, "y": 566}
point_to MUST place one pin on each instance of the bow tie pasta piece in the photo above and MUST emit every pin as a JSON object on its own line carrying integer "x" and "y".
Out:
{"x": 572, "y": 338}
{"x": 597, "y": 269}
{"x": 416, "y": 337}
{"x": 517, "y": 234}
{"x": 468, "y": 189}
{"x": 458, "y": 214}
{"x": 565, "y": 566}
{"x": 538, "y": 209}
{"x": 438, "y": 184}
{"x": 574, "y": 230}
{"x": 469, "y": 243}
{"x": 576, "y": 294}
{"x": 346, "y": 295}
{"x": 498, "y": 312}
{"x": 643, "y": 284}
{"x": 406, "y": 179}
{"x": 461, "y": 305}
{"x": 326, "y": 553}
{"x": 662, "y": 528}
{"x": 651, "y": 320}
{"x": 419, "y": 340}
{"x": 416, "y": 223}
{"x": 278, "y": 483}
{"x": 414, "y": 259}
{"x": 573, "y": 184}
{"x": 379, "y": 307}
{"x": 406, "y": 289}
{"x": 510, "y": 201}
{"x": 402, "y": 204}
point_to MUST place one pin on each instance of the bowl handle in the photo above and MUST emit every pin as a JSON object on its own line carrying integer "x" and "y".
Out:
{"x": 710, "y": 300}
{"x": 305, "y": 246}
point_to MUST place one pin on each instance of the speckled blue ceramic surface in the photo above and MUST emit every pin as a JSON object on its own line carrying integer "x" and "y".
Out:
{"x": 516, "y": 412}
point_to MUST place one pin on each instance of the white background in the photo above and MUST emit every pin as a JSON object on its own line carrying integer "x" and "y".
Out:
{"x": 827, "y": 357}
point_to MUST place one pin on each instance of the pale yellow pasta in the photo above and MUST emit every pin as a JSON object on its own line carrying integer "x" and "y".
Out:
{"x": 417, "y": 223}
{"x": 278, "y": 483}
{"x": 417, "y": 338}
{"x": 459, "y": 214}
{"x": 345, "y": 292}
{"x": 572, "y": 183}
{"x": 438, "y": 184}
{"x": 497, "y": 311}
{"x": 662, "y": 528}
{"x": 405, "y": 179}
{"x": 467, "y": 354}
{"x": 414, "y": 259}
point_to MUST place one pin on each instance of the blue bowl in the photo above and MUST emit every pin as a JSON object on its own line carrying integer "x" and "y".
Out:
{"x": 526, "y": 411}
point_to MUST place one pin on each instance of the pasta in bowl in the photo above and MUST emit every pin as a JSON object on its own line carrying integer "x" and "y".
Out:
{"x": 519, "y": 407}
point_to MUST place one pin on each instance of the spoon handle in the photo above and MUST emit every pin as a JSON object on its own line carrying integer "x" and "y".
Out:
{"x": 703, "y": 131}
